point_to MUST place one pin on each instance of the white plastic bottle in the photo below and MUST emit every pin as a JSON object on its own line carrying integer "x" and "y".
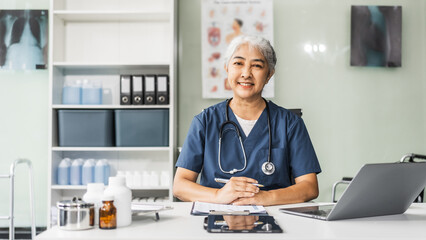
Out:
{"x": 129, "y": 179}
{"x": 94, "y": 195}
{"x": 123, "y": 198}
{"x": 155, "y": 179}
{"x": 146, "y": 179}
{"x": 164, "y": 179}
{"x": 137, "y": 179}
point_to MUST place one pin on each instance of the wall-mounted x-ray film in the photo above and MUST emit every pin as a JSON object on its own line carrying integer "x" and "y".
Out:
{"x": 376, "y": 36}
{"x": 23, "y": 39}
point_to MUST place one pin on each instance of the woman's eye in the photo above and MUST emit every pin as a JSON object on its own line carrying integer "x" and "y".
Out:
{"x": 238, "y": 63}
{"x": 257, "y": 66}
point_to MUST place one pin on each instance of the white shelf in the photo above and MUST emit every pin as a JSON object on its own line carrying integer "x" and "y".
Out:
{"x": 100, "y": 16}
{"x": 62, "y": 106}
{"x": 110, "y": 65}
{"x": 110, "y": 149}
{"x": 82, "y": 187}
{"x": 100, "y": 40}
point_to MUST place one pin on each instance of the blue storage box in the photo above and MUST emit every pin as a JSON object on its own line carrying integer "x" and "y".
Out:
{"x": 86, "y": 128}
{"x": 142, "y": 128}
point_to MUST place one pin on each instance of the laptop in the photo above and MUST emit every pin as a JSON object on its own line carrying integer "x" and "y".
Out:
{"x": 376, "y": 190}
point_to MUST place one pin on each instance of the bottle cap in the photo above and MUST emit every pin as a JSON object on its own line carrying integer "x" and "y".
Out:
{"x": 89, "y": 163}
{"x": 66, "y": 162}
{"x": 77, "y": 162}
{"x": 107, "y": 197}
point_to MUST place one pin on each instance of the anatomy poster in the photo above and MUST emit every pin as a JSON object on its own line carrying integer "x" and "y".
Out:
{"x": 222, "y": 21}
{"x": 23, "y": 39}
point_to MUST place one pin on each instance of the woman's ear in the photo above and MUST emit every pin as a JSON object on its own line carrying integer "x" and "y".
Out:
{"x": 225, "y": 67}
{"x": 271, "y": 73}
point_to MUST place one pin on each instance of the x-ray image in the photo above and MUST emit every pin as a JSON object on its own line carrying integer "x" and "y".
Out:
{"x": 376, "y": 36}
{"x": 23, "y": 39}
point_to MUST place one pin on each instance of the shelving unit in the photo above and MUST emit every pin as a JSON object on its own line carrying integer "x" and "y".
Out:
{"x": 101, "y": 40}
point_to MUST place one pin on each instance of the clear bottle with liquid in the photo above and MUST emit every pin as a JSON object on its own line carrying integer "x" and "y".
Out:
{"x": 108, "y": 213}
{"x": 71, "y": 92}
{"x": 91, "y": 92}
{"x": 64, "y": 172}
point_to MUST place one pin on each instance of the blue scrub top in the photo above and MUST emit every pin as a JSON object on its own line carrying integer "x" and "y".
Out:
{"x": 292, "y": 152}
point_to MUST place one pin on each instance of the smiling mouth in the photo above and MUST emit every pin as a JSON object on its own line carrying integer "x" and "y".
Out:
{"x": 245, "y": 84}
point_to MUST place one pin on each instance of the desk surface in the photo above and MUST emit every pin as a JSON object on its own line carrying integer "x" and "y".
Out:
{"x": 179, "y": 224}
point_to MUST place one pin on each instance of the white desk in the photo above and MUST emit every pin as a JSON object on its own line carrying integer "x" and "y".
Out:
{"x": 179, "y": 224}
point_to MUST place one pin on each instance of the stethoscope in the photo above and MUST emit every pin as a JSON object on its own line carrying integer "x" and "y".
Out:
{"x": 268, "y": 167}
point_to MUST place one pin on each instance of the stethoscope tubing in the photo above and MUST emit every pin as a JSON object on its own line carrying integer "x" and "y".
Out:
{"x": 267, "y": 172}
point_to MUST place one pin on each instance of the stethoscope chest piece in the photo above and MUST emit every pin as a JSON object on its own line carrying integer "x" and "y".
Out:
{"x": 268, "y": 168}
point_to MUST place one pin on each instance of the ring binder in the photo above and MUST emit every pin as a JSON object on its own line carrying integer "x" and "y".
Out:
{"x": 125, "y": 90}
{"x": 150, "y": 89}
{"x": 162, "y": 89}
{"x": 137, "y": 90}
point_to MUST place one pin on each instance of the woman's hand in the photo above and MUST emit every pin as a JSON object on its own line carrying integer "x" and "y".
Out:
{"x": 260, "y": 198}
{"x": 237, "y": 187}
{"x": 305, "y": 189}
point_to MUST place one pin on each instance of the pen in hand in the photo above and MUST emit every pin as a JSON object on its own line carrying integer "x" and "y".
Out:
{"x": 223, "y": 180}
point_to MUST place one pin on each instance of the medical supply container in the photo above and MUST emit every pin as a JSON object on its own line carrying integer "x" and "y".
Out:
{"x": 122, "y": 200}
{"x": 94, "y": 195}
{"x": 63, "y": 173}
{"x": 91, "y": 92}
{"x": 88, "y": 172}
{"x": 102, "y": 171}
{"x": 85, "y": 128}
{"x": 108, "y": 213}
{"x": 75, "y": 214}
{"x": 75, "y": 171}
{"x": 142, "y": 127}
{"x": 71, "y": 92}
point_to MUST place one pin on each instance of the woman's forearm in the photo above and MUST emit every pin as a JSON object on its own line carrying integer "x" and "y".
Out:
{"x": 190, "y": 191}
{"x": 301, "y": 192}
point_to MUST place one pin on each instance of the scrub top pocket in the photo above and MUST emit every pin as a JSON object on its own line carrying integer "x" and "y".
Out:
{"x": 281, "y": 177}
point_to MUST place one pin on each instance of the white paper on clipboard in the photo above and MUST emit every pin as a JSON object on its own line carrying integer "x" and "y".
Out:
{"x": 201, "y": 208}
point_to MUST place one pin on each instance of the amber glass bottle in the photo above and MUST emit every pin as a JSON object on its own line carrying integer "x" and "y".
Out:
{"x": 107, "y": 213}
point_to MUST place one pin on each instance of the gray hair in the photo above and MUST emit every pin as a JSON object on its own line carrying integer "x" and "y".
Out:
{"x": 260, "y": 43}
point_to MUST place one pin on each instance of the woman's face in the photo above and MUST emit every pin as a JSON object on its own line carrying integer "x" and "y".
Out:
{"x": 235, "y": 26}
{"x": 247, "y": 72}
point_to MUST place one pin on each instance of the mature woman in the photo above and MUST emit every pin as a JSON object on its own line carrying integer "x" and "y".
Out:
{"x": 272, "y": 162}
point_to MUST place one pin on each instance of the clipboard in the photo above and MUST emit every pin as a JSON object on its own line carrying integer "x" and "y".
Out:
{"x": 204, "y": 209}
{"x": 241, "y": 224}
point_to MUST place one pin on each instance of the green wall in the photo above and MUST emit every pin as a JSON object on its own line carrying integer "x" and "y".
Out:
{"x": 355, "y": 115}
